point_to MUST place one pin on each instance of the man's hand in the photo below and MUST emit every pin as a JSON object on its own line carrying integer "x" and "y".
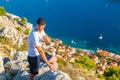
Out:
{"x": 42, "y": 54}
{"x": 46, "y": 38}
{"x": 51, "y": 66}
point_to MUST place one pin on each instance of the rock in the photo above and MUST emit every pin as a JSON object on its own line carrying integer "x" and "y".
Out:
{"x": 20, "y": 41}
{"x": 52, "y": 75}
{"x": 82, "y": 78}
{"x": 8, "y": 76}
{"x": 46, "y": 74}
{"x": 12, "y": 52}
{"x": 20, "y": 69}
{"x": 11, "y": 33}
{"x": 8, "y": 66}
{"x": 19, "y": 63}
{"x": 20, "y": 56}
{"x": 8, "y": 32}
{"x": 6, "y": 59}
{"x": 61, "y": 76}
{"x": 3, "y": 77}
{"x": 1, "y": 65}
{"x": 14, "y": 66}
{"x": 12, "y": 29}
{"x": 2, "y": 70}
{"x": 5, "y": 21}
{"x": 29, "y": 26}
{"x": 22, "y": 75}
{"x": 18, "y": 66}
{"x": 12, "y": 16}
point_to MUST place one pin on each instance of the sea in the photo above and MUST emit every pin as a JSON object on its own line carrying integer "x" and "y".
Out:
{"x": 85, "y": 24}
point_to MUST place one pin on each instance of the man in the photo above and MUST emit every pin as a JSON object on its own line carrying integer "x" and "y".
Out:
{"x": 35, "y": 51}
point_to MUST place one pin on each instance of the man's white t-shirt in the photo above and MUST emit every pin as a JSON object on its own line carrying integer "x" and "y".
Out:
{"x": 34, "y": 39}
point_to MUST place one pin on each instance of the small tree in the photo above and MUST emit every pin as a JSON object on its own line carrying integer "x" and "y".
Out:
{"x": 27, "y": 31}
{"x": 112, "y": 78}
{"x": 113, "y": 73}
{"x": 19, "y": 28}
{"x": 2, "y": 11}
{"x": 85, "y": 62}
{"x": 23, "y": 21}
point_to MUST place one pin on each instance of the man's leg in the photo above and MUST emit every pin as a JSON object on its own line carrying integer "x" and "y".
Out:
{"x": 33, "y": 65}
{"x": 31, "y": 77}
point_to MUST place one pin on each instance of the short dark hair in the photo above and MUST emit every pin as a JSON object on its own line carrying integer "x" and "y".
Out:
{"x": 41, "y": 21}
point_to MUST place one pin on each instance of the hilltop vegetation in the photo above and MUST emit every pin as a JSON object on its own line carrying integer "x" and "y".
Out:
{"x": 113, "y": 73}
{"x": 13, "y": 32}
{"x": 85, "y": 62}
{"x": 2, "y": 11}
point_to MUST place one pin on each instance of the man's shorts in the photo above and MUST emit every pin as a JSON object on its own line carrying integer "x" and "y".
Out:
{"x": 35, "y": 61}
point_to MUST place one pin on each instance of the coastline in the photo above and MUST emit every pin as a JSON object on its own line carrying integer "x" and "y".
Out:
{"x": 103, "y": 59}
{"x": 80, "y": 44}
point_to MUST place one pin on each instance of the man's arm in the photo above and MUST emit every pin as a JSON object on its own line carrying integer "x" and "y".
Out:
{"x": 46, "y": 38}
{"x": 41, "y": 52}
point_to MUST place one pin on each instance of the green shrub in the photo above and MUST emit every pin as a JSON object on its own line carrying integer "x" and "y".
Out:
{"x": 2, "y": 11}
{"x": 68, "y": 68}
{"x": 23, "y": 21}
{"x": 16, "y": 19}
{"x": 9, "y": 42}
{"x": 112, "y": 73}
{"x": 100, "y": 76}
{"x": 61, "y": 62}
{"x": 112, "y": 78}
{"x": 85, "y": 62}
{"x": 23, "y": 47}
{"x": 27, "y": 31}
{"x": 19, "y": 28}
{"x": 4, "y": 40}
{"x": 74, "y": 71}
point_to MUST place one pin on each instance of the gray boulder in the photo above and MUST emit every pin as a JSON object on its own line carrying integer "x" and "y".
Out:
{"x": 44, "y": 74}
{"x": 82, "y": 78}
{"x": 11, "y": 33}
{"x": 20, "y": 56}
{"x": 14, "y": 66}
{"x": 22, "y": 75}
{"x": 1, "y": 65}
{"x": 2, "y": 70}
{"x": 19, "y": 68}
{"x": 6, "y": 59}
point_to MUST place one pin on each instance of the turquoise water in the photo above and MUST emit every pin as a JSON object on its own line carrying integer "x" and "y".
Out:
{"x": 82, "y": 44}
{"x": 78, "y": 23}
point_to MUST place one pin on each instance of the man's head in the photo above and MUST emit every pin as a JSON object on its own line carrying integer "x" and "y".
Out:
{"x": 40, "y": 24}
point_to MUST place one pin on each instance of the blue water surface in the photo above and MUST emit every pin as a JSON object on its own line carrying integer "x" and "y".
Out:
{"x": 81, "y": 21}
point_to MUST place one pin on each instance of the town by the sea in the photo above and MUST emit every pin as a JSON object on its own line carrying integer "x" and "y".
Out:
{"x": 87, "y": 24}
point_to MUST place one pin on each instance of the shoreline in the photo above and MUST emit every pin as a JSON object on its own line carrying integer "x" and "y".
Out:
{"x": 82, "y": 45}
